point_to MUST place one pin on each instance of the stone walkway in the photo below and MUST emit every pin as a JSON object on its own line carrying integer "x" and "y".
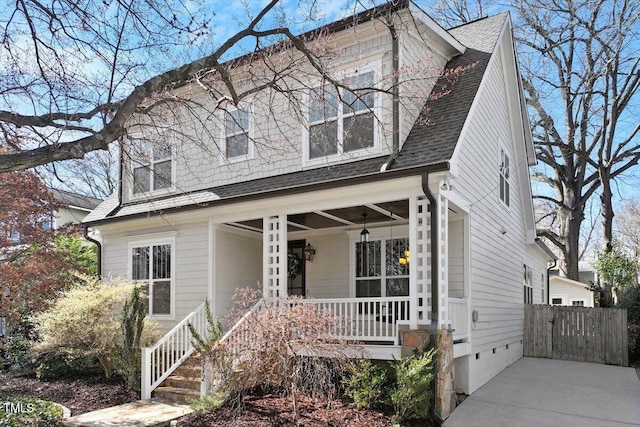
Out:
{"x": 140, "y": 413}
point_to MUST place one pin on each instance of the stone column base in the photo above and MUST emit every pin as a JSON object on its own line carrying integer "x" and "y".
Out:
{"x": 417, "y": 339}
{"x": 445, "y": 399}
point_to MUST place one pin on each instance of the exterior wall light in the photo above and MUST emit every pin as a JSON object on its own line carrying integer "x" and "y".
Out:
{"x": 309, "y": 252}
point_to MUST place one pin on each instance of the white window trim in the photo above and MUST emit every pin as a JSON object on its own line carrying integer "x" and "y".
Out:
{"x": 374, "y": 234}
{"x": 223, "y": 159}
{"x": 134, "y": 164}
{"x": 375, "y": 67}
{"x": 155, "y": 242}
{"x": 528, "y": 282}
{"x": 502, "y": 149}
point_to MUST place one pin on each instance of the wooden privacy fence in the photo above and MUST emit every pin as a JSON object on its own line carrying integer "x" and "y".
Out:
{"x": 581, "y": 334}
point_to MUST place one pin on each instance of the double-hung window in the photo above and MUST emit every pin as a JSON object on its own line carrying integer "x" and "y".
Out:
{"x": 337, "y": 127}
{"x": 528, "y": 284}
{"x": 504, "y": 177}
{"x": 151, "y": 265}
{"x": 382, "y": 268}
{"x": 152, "y": 166}
{"x": 236, "y": 135}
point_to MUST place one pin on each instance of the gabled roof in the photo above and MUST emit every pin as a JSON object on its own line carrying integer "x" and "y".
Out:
{"x": 74, "y": 200}
{"x": 428, "y": 146}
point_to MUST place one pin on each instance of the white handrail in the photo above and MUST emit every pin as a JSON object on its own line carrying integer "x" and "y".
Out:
{"x": 161, "y": 359}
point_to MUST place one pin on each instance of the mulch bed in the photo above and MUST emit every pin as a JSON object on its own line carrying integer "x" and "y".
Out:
{"x": 91, "y": 393}
{"x": 80, "y": 395}
{"x": 274, "y": 410}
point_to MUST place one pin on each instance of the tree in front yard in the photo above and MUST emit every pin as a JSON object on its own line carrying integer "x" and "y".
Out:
{"x": 35, "y": 259}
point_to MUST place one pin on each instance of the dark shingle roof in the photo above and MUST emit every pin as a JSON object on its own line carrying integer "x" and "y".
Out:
{"x": 429, "y": 143}
{"x": 74, "y": 199}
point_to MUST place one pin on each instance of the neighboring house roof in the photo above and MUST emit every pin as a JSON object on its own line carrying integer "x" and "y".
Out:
{"x": 567, "y": 281}
{"x": 73, "y": 200}
{"x": 429, "y": 146}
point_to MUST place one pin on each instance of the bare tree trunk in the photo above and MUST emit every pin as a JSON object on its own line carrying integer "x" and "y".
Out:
{"x": 606, "y": 202}
{"x": 570, "y": 222}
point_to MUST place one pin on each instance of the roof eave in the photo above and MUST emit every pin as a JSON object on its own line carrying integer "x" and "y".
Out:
{"x": 304, "y": 188}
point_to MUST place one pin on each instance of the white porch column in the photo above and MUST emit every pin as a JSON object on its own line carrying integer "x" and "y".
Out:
{"x": 443, "y": 259}
{"x": 420, "y": 262}
{"x": 274, "y": 256}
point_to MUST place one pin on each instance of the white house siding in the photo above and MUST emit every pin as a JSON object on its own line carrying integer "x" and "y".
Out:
{"x": 238, "y": 264}
{"x": 497, "y": 234}
{"x": 456, "y": 258}
{"x": 274, "y": 125}
{"x": 327, "y": 275}
{"x": 277, "y": 130}
{"x": 191, "y": 262}
{"x": 569, "y": 291}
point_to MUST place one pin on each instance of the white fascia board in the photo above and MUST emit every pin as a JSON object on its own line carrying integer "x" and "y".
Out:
{"x": 433, "y": 26}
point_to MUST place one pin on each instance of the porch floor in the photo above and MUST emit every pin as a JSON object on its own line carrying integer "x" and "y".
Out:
{"x": 141, "y": 413}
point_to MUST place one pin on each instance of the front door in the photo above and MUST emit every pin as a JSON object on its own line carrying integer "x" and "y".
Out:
{"x": 296, "y": 268}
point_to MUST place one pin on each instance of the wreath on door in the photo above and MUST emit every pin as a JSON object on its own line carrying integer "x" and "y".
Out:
{"x": 294, "y": 267}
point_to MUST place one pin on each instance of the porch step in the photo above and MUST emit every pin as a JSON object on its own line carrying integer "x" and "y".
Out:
{"x": 182, "y": 382}
{"x": 188, "y": 372}
{"x": 176, "y": 394}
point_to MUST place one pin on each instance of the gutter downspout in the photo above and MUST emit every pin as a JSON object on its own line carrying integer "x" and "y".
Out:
{"x": 434, "y": 251}
{"x": 395, "y": 58}
{"x": 555, "y": 263}
{"x": 85, "y": 230}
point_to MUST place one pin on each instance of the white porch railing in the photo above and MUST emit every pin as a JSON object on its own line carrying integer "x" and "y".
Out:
{"x": 160, "y": 360}
{"x": 459, "y": 316}
{"x": 367, "y": 319}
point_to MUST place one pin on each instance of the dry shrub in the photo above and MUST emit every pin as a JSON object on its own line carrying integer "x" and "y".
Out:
{"x": 286, "y": 344}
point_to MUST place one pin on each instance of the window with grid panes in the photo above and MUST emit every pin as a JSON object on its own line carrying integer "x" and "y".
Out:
{"x": 379, "y": 268}
{"x": 151, "y": 265}
{"x": 342, "y": 127}
{"x": 237, "y": 134}
{"x": 528, "y": 284}
{"x": 505, "y": 171}
{"x": 152, "y": 166}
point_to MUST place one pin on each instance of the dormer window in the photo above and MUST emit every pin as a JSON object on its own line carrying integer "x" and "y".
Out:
{"x": 504, "y": 177}
{"x": 237, "y": 134}
{"x": 152, "y": 166}
{"x": 344, "y": 126}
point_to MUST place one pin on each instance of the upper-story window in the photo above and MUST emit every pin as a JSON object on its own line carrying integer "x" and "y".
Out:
{"x": 237, "y": 140}
{"x": 152, "y": 166}
{"x": 338, "y": 126}
{"x": 504, "y": 177}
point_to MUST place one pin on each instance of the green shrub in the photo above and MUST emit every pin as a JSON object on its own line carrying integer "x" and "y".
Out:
{"x": 85, "y": 322}
{"x": 28, "y": 411}
{"x": 630, "y": 300}
{"x": 366, "y": 384}
{"x": 411, "y": 395}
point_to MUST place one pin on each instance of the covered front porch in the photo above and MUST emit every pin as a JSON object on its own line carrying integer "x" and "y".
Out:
{"x": 382, "y": 263}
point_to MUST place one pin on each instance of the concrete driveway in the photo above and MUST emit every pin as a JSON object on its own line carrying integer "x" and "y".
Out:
{"x": 545, "y": 392}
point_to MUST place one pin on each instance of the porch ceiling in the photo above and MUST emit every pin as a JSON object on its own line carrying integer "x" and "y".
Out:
{"x": 397, "y": 210}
